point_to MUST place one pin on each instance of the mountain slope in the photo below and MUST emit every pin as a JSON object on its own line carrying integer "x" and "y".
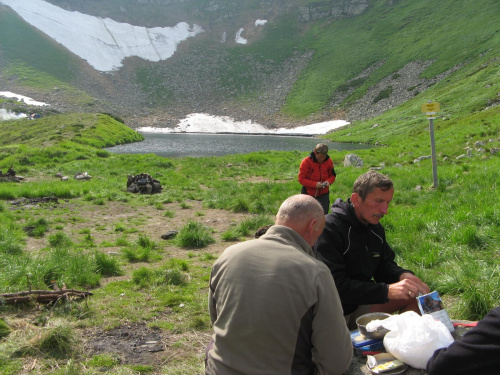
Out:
{"x": 439, "y": 37}
{"x": 330, "y": 64}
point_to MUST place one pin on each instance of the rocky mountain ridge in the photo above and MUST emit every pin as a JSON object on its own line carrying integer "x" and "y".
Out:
{"x": 193, "y": 76}
{"x": 213, "y": 74}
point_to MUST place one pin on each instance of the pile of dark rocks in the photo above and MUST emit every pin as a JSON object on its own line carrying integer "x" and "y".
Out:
{"x": 10, "y": 176}
{"x": 143, "y": 184}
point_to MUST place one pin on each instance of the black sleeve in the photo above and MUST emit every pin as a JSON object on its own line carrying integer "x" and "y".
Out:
{"x": 477, "y": 353}
{"x": 388, "y": 271}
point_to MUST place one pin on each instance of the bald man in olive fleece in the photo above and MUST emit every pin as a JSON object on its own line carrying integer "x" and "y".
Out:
{"x": 273, "y": 306}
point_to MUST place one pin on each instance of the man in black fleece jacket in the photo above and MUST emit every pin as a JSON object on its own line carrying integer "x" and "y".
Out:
{"x": 354, "y": 248}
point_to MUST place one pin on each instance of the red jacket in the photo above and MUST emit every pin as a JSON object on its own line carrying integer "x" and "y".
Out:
{"x": 311, "y": 172}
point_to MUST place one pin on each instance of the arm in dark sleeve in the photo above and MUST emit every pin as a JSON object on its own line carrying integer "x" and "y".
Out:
{"x": 361, "y": 290}
{"x": 388, "y": 270}
{"x": 477, "y": 353}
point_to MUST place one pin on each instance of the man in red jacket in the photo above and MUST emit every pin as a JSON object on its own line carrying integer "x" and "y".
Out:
{"x": 316, "y": 174}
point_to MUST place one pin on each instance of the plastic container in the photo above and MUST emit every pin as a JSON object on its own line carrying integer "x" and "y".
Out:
{"x": 385, "y": 358}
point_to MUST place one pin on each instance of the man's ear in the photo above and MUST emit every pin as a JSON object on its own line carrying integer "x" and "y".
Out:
{"x": 310, "y": 233}
{"x": 355, "y": 199}
{"x": 311, "y": 226}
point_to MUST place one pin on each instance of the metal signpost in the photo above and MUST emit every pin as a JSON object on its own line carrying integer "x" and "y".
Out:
{"x": 430, "y": 110}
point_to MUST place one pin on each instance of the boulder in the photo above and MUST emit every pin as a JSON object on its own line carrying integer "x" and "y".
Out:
{"x": 82, "y": 176}
{"x": 420, "y": 158}
{"x": 352, "y": 160}
{"x": 169, "y": 235}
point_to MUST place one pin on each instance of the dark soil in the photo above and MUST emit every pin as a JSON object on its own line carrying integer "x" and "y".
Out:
{"x": 131, "y": 344}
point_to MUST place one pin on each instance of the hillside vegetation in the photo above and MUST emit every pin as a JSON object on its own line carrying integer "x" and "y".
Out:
{"x": 347, "y": 66}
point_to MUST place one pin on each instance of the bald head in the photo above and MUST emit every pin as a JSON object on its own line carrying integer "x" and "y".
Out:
{"x": 303, "y": 214}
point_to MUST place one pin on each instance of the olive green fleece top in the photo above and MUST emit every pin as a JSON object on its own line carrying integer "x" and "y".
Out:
{"x": 275, "y": 310}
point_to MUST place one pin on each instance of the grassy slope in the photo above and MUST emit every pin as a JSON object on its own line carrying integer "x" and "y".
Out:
{"x": 448, "y": 33}
{"x": 56, "y": 143}
{"x": 26, "y": 45}
{"x": 57, "y": 139}
{"x": 471, "y": 90}
{"x": 98, "y": 130}
{"x": 35, "y": 60}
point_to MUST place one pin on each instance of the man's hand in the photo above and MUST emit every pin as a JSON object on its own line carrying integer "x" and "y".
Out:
{"x": 423, "y": 288}
{"x": 409, "y": 286}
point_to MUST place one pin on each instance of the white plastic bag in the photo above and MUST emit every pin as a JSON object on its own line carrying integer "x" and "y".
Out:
{"x": 414, "y": 338}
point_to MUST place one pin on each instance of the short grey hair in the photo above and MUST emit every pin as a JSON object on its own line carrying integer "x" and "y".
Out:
{"x": 298, "y": 208}
{"x": 369, "y": 181}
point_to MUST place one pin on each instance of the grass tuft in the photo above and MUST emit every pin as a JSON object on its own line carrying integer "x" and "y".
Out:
{"x": 194, "y": 234}
{"x": 4, "y": 329}
{"x": 58, "y": 343}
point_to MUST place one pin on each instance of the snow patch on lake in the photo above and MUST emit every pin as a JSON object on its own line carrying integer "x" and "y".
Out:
{"x": 204, "y": 123}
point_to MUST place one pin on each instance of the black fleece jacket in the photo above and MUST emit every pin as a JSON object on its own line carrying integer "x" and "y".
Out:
{"x": 477, "y": 353}
{"x": 359, "y": 257}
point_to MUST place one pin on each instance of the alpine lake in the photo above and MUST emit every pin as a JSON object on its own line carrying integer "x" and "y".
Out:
{"x": 201, "y": 145}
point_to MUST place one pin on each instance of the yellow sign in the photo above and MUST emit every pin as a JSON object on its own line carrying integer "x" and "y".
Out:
{"x": 430, "y": 107}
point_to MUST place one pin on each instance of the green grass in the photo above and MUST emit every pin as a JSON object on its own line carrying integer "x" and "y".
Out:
{"x": 246, "y": 228}
{"x": 96, "y": 130}
{"x": 194, "y": 235}
{"x": 103, "y": 361}
{"x": 40, "y": 226}
{"x": 4, "y": 329}
{"x": 59, "y": 343}
{"x": 107, "y": 266}
{"x": 447, "y": 235}
{"x": 136, "y": 253}
{"x": 46, "y": 55}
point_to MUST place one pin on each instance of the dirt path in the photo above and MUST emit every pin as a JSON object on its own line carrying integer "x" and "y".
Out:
{"x": 106, "y": 223}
